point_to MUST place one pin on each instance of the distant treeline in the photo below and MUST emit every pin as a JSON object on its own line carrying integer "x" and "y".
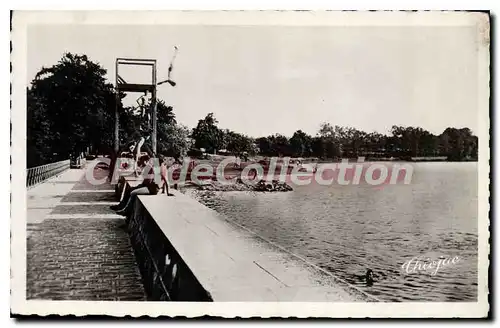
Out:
{"x": 332, "y": 142}
{"x": 70, "y": 108}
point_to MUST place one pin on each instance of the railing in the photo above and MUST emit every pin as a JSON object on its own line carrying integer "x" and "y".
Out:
{"x": 39, "y": 174}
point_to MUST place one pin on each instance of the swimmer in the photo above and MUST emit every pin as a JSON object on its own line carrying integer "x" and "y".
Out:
{"x": 369, "y": 277}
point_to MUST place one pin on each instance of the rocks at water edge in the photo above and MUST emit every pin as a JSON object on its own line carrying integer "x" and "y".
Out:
{"x": 272, "y": 187}
{"x": 262, "y": 185}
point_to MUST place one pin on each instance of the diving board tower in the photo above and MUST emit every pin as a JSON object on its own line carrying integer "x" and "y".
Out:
{"x": 125, "y": 86}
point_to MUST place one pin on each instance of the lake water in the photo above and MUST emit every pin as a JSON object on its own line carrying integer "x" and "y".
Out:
{"x": 347, "y": 229}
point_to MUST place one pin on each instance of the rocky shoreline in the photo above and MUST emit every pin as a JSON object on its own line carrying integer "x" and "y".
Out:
{"x": 239, "y": 185}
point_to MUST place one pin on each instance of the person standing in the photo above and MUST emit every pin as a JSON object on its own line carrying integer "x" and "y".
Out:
{"x": 137, "y": 152}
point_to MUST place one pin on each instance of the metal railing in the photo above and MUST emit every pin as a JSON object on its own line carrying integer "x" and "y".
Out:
{"x": 39, "y": 174}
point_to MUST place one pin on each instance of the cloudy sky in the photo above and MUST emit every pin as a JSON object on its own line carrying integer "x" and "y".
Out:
{"x": 261, "y": 80}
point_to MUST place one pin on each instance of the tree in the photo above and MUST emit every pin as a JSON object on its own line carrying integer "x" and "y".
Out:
{"x": 317, "y": 147}
{"x": 428, "y": 144}
{"x": 400, "y": 143}
{"x": 207, "y": 135}
{"x": 165, "y": 114}
{"x": 458, "y": 144}
{"x": 475, "y": 147}
{"x": 174, "y": 140}
{"x": 329, "y": 141}
{"x": 353, "y": 141}
{"x": 70, "y": 107}
{"x": 130, "y": 125}
{"x": 376, "y": 143}
{"x": 413, "y": 141}
{"x": 279, "y": 145}
{"x": 300, "y": 144}
{"x": 238, "y": 144}
{"x": 40, "y": 139}
{"x": 264, "y": 145}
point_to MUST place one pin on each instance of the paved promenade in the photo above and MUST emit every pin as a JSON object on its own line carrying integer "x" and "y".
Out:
{"x": 75, "y": 248}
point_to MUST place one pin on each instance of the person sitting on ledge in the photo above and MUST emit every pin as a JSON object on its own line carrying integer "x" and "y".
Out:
{"x": 147, "y": 187}
{"x": 142, "y": 162}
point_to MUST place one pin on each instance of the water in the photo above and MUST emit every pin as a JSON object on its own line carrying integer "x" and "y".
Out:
{"x": 347, "y": 229}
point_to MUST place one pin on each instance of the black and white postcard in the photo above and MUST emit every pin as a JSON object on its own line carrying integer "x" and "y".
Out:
{"x": 250, "y": 163}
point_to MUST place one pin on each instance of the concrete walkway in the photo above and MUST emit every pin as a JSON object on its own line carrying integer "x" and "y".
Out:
{"x": 75, "y": 248}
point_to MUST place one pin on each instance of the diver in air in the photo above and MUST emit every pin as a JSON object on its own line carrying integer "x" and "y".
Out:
{"x": 170, "y": 68}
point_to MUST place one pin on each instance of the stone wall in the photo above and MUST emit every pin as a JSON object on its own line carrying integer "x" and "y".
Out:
{"x": 165, "y": 275}
{"x": 187, "y": 252}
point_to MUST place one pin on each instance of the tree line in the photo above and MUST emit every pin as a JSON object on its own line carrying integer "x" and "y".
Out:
{"x": 70, "y": 108}
{"x": 332, "y": 142}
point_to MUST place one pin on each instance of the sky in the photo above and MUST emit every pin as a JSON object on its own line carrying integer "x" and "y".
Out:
{"x": 261, "y": 80}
